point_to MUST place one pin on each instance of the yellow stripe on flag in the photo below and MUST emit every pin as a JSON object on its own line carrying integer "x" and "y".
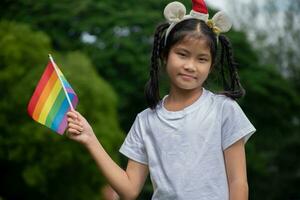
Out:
{"x": 50, "y": 101}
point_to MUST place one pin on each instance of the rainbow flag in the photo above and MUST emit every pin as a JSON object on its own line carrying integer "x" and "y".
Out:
{"x": 52, "y": 99}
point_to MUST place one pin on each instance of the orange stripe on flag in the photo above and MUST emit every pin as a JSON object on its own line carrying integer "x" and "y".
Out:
{"x": 44, "y": 95}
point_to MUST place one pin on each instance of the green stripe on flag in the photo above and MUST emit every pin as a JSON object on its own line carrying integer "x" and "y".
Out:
{"x": 55, "y": 107}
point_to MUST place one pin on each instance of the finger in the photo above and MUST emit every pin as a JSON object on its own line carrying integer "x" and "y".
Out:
{"x": 72, "y": 114}
{"x": 75, "y": 115}
{"x": 72, "y": 121}
{"x": 73, "y": 131}
{"x": 76, "y": 127}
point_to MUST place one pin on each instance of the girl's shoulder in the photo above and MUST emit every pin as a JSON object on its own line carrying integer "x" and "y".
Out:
{"x": 219, "y": 98}
{"x": 144, "y": 115}
{"x": 223, "y": 103}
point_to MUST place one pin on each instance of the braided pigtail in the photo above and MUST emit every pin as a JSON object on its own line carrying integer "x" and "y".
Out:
{"x": 233, "y": 89}
{"x": 152, "y": 86}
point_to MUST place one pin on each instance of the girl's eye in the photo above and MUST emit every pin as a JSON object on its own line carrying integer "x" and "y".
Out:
{"x": 181, "y": 54}
{"x": 203, "y": 59}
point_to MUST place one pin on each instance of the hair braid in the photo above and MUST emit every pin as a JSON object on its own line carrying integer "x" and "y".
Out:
{"x": 235, "y": 90}
{"x": 152, "y": 86}
{"x": 225, "y": 84}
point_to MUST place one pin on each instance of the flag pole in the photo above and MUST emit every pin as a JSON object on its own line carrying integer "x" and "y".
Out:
{"x": 66, "y": 93}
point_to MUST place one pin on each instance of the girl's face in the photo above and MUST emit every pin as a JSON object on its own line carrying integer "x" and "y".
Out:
{"x": 188, "y": 63}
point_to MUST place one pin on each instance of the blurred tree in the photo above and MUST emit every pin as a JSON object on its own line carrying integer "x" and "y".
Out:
{"x": 116, "y": 36}
{"x": 35, "y": 162}
{"x": 271, "y": 103}
{"x": 273, "y": 28}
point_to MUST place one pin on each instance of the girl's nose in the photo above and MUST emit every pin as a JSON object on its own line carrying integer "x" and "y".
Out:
{"x": 190, "y": 66}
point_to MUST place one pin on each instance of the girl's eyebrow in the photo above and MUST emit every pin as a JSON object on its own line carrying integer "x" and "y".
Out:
{"x": 181, "y": 49}
{"x": 187, "y": 51}
{"x": 203, "y": 54}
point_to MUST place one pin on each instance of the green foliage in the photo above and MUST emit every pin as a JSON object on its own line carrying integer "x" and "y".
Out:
{"x": 39, "y": 163}
{"x": 271, "y": 104}
{"x": 123, "y": 31}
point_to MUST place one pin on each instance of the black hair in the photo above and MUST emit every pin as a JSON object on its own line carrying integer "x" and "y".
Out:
{"x": 198, "y": 29}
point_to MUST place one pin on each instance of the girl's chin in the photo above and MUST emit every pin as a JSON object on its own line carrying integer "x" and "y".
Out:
{"x": 188, "y": 86}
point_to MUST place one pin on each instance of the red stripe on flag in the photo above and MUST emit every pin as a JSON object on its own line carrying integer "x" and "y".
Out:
{"x": 39, "y": 88}
{"x": 44, "y": 96}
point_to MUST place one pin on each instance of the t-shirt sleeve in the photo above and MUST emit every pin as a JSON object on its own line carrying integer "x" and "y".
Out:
{"x": 235, "y": 124}
{"x": 133, "y": 147}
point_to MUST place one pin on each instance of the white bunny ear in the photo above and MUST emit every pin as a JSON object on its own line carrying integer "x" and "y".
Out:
{"x": 174, "y": 12}
{"x": 222, "y": 21}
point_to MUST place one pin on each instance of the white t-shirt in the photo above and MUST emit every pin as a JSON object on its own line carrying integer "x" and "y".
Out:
{"x": 184, "y": 149}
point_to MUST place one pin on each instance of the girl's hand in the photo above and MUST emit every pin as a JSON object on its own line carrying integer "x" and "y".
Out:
{"x": 79, "y": 129}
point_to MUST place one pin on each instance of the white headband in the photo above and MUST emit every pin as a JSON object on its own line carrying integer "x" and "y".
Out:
{"x": 175, "y": 12}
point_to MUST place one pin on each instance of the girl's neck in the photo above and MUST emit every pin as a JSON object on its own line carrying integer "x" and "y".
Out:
{"x": 179, "y": 99}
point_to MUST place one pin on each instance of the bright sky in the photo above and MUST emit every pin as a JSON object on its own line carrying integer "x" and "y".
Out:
{"x": 219, "y": 4}
{"x": 227, "y": 6}
{"x": 223, "y": 4}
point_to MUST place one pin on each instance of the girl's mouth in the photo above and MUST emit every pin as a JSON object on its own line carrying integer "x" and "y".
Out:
{"x": 187, "y": 77}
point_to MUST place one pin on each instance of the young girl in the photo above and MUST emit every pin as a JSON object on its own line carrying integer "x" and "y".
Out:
{"x": 191, "y": 141}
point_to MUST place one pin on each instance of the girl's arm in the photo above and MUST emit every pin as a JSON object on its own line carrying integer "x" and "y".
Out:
{"x": 127, "y": 184}
{"x": 235, "y": 161}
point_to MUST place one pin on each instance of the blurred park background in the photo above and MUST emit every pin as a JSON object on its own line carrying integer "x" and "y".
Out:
{"x": 103, "y": 48}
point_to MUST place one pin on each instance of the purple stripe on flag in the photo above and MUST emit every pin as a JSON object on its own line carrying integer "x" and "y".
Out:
{"x": 75, "y": 101}
{"x": 63, "y": 125}
{"x": 56, "y": 124}
{"x": 70, "y": 90}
